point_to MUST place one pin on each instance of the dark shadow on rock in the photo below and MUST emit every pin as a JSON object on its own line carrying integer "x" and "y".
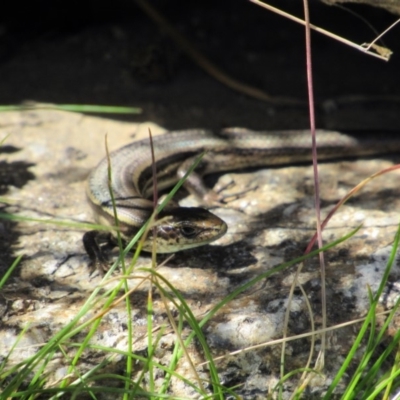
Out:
{"x": 15, "y": 174}
{"x": 218, "y": 258}
{"x": 8, "y": 149}
{"x": 8, "y": 238}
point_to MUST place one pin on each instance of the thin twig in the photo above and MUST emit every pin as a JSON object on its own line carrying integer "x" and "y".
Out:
{"x": 320, "y": 30}
{"x": 292, "y": 338}
{"x": 382, "y": 34}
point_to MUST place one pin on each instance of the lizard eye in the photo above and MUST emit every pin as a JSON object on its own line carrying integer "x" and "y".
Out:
{"x": 188, "y": 231}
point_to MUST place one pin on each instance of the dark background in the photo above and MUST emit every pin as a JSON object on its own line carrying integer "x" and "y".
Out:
{"x": 94, "y": 52}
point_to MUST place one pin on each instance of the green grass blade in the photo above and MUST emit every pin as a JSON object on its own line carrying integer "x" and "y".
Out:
{"x": 81, "y": 108}
{"x": 369, "y": 322}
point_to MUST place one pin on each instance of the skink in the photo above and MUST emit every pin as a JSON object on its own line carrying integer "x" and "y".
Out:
{"x": 178, "y": 228}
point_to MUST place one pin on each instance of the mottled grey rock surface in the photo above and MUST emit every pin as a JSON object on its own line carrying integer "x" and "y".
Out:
{"x": 269, "y": 223}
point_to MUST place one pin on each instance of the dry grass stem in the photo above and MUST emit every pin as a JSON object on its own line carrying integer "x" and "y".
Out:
{"x": 384, "y": 56}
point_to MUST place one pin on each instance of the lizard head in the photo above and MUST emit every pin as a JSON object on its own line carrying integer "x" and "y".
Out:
{"x": 182, "y": 228}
